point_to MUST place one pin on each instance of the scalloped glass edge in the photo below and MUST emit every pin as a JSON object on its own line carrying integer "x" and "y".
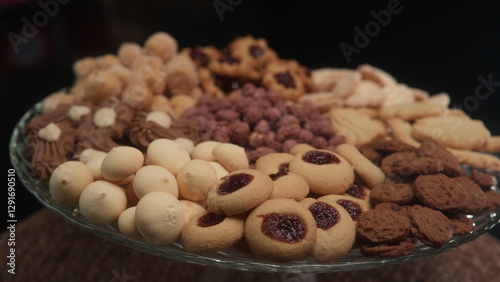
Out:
{"x": 229, "y": 259}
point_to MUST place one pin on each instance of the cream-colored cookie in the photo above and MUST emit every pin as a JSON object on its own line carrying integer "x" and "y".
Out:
{"x": 326, "y": 172}
{"x": 301, "y": 148}
{"x": 397, "y": 94}
{"x": 335, "y": 233}
{"x": 195, "y": 178}
{"x": 102, "y": 202}
{"x": 453, "y": 130}
{"x": 95, "y": 166}
{"x": 68, "y": 181}
{"x": 151, "y": 178}
{"x": 273, "y": 162}
{"x": 203, "y": 150}
{"x": 280, "y": 230}
{"x": 219, "y": 169}
{"x": 188, "y": 144}
{"x": 324, "y": 101}
{"x": 159, "y": 217}
{"x": 353, "y": 206}
{"x": 376, "y": 75}
{"x": 127, "y": 225}
{"x": 288, "y": 185}
{"x": 191, "y": 209}
{"x": 492, "y": 144}
{"x": 366, "y": 94}
{"x": 87, "y": 154}
{"x": 442, "y": 99}
{"x": 168, "y": 154}
{"x": 232, "y": 157}
{"x": 339, "y": 82}
{"x": 128, "y": 52}
{"x": 401, "y": 130}
{"x": 239, "y": 192}
{"x": 369, "y": 172}
{"x": 121, "y": 162}
{"x": 476, "y": 159}
{"x": 412, "y": 111}
{"x": 162, "y": 45}
{"x": 208, "y": 232}
{"x": 357, "y": 126}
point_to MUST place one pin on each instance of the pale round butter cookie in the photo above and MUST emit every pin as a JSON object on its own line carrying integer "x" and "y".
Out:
{"x": 68, "y": 181}
{"x": 159, "y": 217}
{"x": 102, "y": 202}
{"x": 151, "y": 178}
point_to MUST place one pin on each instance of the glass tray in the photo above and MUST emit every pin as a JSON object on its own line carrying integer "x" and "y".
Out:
{"x": 229, "y": 259}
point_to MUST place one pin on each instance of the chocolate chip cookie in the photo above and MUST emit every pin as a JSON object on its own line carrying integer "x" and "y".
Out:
{"x": 440, "y": 192}
{"x": 430, "y": 226}
{"x": 382, "y": 226}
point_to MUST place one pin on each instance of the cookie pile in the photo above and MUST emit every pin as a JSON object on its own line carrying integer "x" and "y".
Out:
{"x": 236, "y": 147}
{"x": 207, "y": 198}
{"x": 426, "y": 196}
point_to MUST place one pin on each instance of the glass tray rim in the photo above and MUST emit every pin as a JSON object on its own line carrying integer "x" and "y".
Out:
{"x": 229, "y": 259}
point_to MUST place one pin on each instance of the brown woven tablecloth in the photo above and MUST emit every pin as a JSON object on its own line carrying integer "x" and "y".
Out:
{"x": 50, "y": 249}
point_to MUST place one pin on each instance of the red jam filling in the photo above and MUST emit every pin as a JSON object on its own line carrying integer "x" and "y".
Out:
{"x": 320, "y": 158}
{"x": 325, "y": 215}
{"x": 285, "y": 79}
{"x": 277, "y": 175}
{"x": 256, "y": 51}
{"x": 283, "y": 227}
{"x": 356, "y": 191}
{"x": 234, "y": 183}
{"x": 351, "y": 207}
{"x": 199, "y": 57}
{"x": 210, "y": 219}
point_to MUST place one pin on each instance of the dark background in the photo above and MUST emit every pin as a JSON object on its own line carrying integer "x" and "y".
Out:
{"x": 436, "y": 46}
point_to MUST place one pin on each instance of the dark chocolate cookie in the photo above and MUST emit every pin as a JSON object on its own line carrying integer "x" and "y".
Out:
{"x": 405, "y": 164}
{"x": 382, "y": 226}
{"x": 402, "y": 248}
{"x": 437, "y": 151}
{"x": 492, "y": 200}
{"x": 430, "y": 226}
{"x": 476, "y": 200}
{"x": 390, "y": 191}
{"x": 483, "y": 179}
{"x": 462, "y": 225}
{"x": 440, "y": 192}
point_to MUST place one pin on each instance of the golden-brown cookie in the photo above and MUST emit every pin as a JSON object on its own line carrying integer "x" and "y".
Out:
{"x": 335, "y": 233}
{"x": 239, "y": 192}
{"x": 369, "y": 172}
{"x": 326, "y": 172}
{"x": 452, "y": 130}
{"x": 280, "y": 230}
{"x": 208, "y": 232}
